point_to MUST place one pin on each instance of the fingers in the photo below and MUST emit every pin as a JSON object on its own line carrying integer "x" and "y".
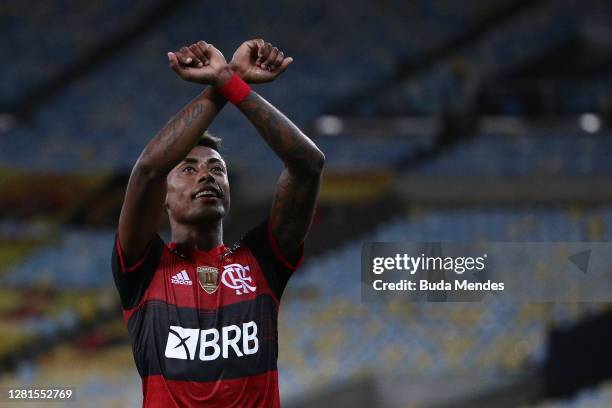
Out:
{"x": 269, "y": 57}
{"x": 269, "y": 62}
{"x": 197, "y": 62}
{"x": 285, "y": 63}
{"x": 263, "y": 53}
{"x": 194, "y": 55}
{"x": 187, "y": 57}
{"x": 255, "y": 44}
{"x": 173, "y": 60}
{"x": 175, "y": 65}
{"x": 200, "y": 50}
{"x": 278, "y": 61}
{"x": 260, "y": 46}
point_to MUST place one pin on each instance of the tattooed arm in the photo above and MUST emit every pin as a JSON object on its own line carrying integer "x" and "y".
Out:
{"x": 144, "y": 199}
{"x": 298, "y": 185}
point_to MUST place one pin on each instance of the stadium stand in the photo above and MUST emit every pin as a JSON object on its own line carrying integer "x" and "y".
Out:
{"x": 495, "y": 155}
{"x": 49, "y": 30}
{"x": 80, "y": 132}
{"x": 431, "y": 339}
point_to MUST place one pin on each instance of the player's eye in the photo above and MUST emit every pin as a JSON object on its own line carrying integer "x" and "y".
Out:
{"x": 189, "y": 169}
{"x": 218, "y": 169}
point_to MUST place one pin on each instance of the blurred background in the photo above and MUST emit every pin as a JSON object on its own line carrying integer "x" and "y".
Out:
{"x": 441, "y": 120}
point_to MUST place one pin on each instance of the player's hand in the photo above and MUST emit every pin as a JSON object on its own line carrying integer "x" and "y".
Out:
{"x": 257, "y": 61}
{"x": 199, "y": 62}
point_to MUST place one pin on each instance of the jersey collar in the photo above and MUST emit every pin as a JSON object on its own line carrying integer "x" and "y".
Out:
{"x": 193, "y": 253}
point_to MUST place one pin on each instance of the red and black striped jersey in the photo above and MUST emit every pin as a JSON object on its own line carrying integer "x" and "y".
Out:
{"x": 203, "y": 325}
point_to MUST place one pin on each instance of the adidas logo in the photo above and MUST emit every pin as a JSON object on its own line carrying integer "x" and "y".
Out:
{"x": 181, "y": 278}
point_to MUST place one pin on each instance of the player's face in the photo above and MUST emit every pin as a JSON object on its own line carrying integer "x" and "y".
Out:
{"x": 198, "y": 189}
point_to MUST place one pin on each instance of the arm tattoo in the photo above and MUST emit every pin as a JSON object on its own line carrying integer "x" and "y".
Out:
{"x": 294, "y": 148}
{"x": 177, "y": 125}
{"x": 298, "y": 185}
{"x": 182, "y": 132}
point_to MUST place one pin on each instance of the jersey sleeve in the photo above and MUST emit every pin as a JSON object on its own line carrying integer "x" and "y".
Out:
{"x": 132, "y": 281}
{"x": 275, "y": 267}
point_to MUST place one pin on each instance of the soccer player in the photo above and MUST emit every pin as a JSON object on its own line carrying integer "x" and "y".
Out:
{"x": 202, "y": 316}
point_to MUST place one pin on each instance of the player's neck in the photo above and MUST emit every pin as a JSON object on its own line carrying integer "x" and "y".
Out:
{"x": 202, "y": 237}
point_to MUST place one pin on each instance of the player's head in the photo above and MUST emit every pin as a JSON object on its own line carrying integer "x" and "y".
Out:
{"x": 198, "y": 188}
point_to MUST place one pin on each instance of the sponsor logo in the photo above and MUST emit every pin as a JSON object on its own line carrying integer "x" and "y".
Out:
{"x": 183, "y": 342}
{"x": 235, "y": 277}
{"x": 181, "y": 278}
{"x": 208, "y": 277}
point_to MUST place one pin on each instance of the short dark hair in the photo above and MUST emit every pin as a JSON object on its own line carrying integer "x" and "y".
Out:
{"x": 208, "y": 140}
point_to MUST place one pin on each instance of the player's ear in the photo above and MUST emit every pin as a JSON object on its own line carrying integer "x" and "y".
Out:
{"x": 168, "y": 181}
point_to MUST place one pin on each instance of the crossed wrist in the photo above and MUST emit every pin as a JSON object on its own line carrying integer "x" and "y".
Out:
{"x": 231, "y": 86}
{"x": 236, "y": 69}
{"x": 223, "y": 75}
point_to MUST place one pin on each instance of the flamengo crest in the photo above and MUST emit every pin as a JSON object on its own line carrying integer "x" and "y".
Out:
{"x": 235, "y": 277}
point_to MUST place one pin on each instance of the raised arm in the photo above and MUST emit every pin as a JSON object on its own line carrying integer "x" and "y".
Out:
{"x": 144, "y": 198}
{"x": 298, "y": 185}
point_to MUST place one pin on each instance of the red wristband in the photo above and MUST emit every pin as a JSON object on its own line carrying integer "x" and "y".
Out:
{"x": 235, "y": 90}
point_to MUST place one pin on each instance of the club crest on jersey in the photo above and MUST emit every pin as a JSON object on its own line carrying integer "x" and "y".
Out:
{"x": 235, "y": 277}
{"x": 208, "y": 276}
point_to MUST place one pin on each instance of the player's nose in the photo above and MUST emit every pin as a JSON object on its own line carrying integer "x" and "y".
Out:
{"x": 205, "y": 176}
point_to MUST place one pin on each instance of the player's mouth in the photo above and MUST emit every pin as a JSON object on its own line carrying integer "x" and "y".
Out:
{"x": 207, "y": 192}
